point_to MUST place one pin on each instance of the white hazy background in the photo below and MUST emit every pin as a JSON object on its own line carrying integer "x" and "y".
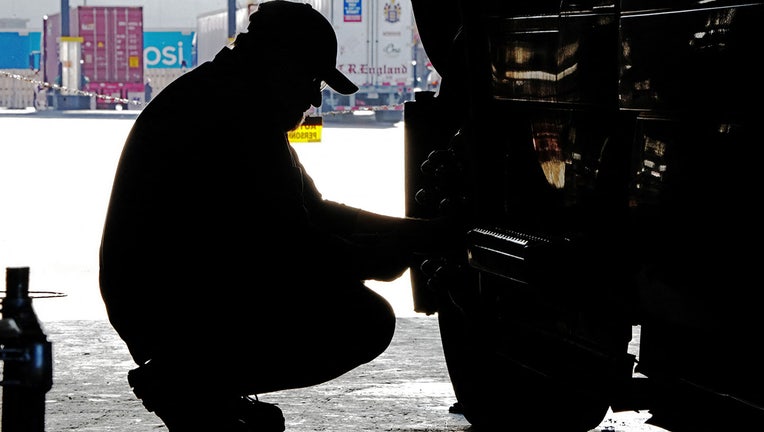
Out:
{"x": 55, "y": 181}
{"x": 157, "y": 14}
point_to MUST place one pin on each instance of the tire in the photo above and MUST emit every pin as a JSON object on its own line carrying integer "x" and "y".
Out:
{"x": 496, "y": 394}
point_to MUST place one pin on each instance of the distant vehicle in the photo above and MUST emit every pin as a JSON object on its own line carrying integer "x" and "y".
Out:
{"x": 603, "y": 161}
{"x": 433, "y": 81}
{"x": 212, "y": 32}
{"x": 376, "y": 46}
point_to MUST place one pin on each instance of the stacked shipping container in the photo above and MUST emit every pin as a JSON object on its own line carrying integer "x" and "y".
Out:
{"x": 111, "y": 51}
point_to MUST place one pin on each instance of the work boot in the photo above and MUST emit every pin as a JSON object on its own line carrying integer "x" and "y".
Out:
{"x": 260, "y": 415}
{"x": 188, "y": 411}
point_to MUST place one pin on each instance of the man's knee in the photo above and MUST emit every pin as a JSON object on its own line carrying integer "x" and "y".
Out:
{"x": 379, "y": 333}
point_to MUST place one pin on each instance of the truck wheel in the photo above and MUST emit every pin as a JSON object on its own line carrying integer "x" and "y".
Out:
{"x": 496, "y": 394}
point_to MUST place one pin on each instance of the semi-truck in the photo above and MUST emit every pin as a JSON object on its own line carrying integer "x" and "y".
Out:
{"x": 377, "y": 48}
{"x": 599, "y": 163}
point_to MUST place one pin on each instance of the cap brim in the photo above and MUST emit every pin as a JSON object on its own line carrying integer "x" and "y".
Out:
{"x": 339, "y": 82}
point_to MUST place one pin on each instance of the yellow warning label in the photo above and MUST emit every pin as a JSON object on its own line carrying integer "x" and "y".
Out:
{"x": 309, "y": 131}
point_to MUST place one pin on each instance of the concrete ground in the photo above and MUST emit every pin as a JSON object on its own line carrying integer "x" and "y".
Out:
{"x": 406, "y": 389}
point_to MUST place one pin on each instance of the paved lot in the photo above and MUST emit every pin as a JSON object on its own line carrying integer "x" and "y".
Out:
{"x": 406, "y": 389}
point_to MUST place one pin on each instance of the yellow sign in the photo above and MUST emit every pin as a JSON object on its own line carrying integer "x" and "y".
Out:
{"x": 309, "y": 131}
{"x": 133, "y": 61}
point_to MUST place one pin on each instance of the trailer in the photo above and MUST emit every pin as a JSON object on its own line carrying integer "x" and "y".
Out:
{"x": 100, "y": 57}
{"x": 376, "y": 50}
{"x": 212, "y": 32}
{"x": 377, "y": 47}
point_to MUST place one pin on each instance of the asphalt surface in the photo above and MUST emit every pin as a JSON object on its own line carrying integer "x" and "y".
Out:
{"x": 406, "y": 389}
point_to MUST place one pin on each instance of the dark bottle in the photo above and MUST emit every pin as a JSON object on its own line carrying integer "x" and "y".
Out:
{"x": 27, "y": 356}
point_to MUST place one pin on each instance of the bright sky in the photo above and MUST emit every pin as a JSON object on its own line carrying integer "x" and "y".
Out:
{"x": 157, "y": 14}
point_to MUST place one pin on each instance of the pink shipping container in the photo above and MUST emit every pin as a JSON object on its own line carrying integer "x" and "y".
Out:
{"x": 111, "y": 50}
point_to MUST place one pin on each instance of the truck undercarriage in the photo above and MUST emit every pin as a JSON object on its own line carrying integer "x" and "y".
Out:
{"x": 601, "y": 158}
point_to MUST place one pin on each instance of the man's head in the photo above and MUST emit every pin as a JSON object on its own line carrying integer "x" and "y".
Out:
{"x": 294, "y": 48}
{"x": 301, "y": 35}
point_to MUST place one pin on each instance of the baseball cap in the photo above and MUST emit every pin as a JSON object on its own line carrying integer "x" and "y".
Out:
{"x": 305, "y": 35}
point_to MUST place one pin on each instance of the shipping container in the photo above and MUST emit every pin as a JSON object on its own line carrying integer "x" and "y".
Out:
{"x": 111, "y": 52}
{"x": 166, "y": 56}
{"x": 21, "y": 49}
{"x": 167, "y": 49}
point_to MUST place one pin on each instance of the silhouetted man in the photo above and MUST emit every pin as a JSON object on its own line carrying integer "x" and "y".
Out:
{"x": 222, "y": 267}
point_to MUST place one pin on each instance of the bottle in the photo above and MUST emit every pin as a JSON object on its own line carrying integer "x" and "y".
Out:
{"x": 27, "y": 355}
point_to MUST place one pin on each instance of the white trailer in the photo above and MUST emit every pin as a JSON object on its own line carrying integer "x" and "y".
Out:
{"x": 212, "y": 32}
{"x": 376, "y": 48}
